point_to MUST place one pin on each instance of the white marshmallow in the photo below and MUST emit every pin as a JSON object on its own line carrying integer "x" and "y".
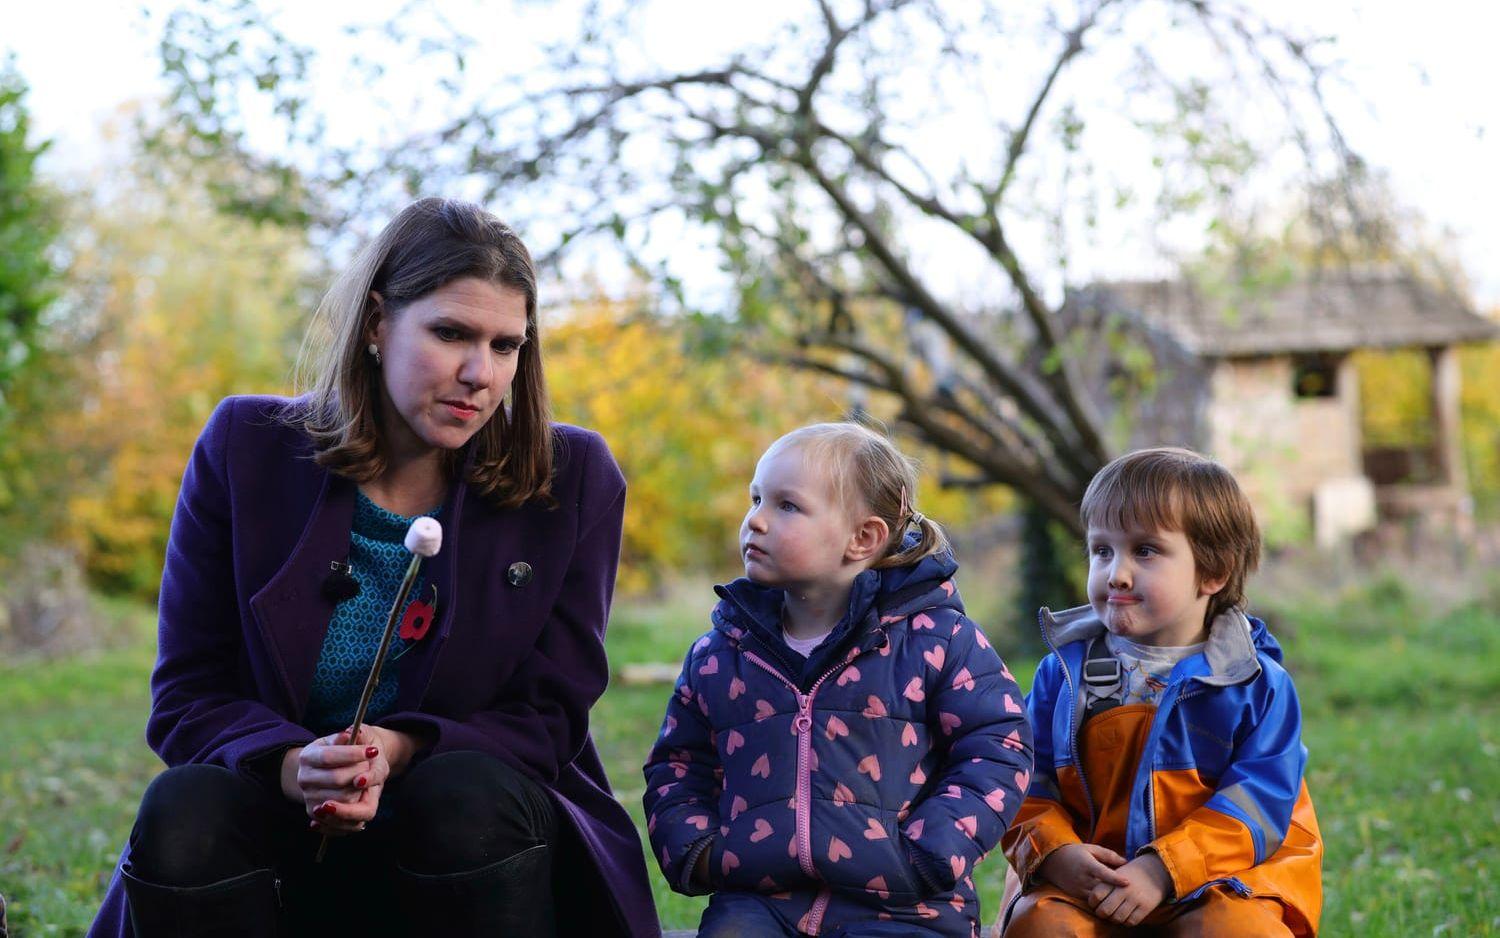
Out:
{"x": 424, "y": 536}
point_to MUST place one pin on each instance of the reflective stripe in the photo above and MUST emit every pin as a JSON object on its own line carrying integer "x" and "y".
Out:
{"x": 1242, "y": 799}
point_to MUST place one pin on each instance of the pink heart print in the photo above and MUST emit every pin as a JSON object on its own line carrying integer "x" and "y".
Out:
{"x": 949, "y": 722}
{"x": 909, "y": 735}
{"x": 963, "y": 680}
{"x": 838, "y": 850}
{"x": 1011, "y": 706}
{"x": 762, "y": 766}
{"x": 762, "y": 830}
{"x": 711, "y": 666}
{"x": 874, "y": 830}
{"x": 842, "y": 795}
{"x": 764, "y": 710}
{"x": 935, "y": 657}
{"x": 836, "y": 728}
{"x": 874, "y": 708}
{"x": 922, "y": 621}
{"x": 848, "y": 676}
{"x": 914, "y": 691}
{"x": 736, "y": 806}
{"x": 878, "y": 887}
{"x": 729, "y": 862}
{"x": 733, "y": 741}
{"x": 736, "y": 688}
{"x": 969, "y": 824}
{"x": 870, "y": 765}
{"x": 1013, "y": 741}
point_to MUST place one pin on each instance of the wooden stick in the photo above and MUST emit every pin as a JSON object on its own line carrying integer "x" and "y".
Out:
{"x": 373, "y": 680}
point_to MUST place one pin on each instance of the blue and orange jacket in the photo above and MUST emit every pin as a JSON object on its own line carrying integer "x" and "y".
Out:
{"x": 1218, "y": 793}
{"x": 862, "y": 784}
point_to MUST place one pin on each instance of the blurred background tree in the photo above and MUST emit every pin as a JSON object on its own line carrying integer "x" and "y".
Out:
{"x": 32, "y": 363}
{"x": 852, "y": 243}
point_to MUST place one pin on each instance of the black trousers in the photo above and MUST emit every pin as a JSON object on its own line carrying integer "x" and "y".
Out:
{"x": 451, "y": 814}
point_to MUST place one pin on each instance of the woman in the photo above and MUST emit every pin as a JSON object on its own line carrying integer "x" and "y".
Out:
{"x": 473, "y": 796}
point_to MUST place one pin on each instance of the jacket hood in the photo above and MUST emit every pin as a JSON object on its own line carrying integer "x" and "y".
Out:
{"x": 894, "y": 592}
{"x": 1234, "y": 639}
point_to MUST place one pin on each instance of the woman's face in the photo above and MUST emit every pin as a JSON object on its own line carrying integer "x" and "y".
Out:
{"x": 446, "y": 361}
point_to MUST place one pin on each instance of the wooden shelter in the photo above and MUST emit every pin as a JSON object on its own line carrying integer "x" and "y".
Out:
{"x": 1265, "y": 383}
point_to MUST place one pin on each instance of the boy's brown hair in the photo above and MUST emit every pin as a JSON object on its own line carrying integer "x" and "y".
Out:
{"x": 1179, "y": 490}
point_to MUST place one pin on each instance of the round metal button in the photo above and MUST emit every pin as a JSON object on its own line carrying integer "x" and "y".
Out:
{"x": 519, "y": 573}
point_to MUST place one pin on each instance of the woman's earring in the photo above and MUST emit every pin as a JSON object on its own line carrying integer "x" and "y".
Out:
{"x": 375, "y": 351}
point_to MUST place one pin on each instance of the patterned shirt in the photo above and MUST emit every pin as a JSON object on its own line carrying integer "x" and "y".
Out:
{"x": 379, "y": 559}
{"x": 1145, "y": 669}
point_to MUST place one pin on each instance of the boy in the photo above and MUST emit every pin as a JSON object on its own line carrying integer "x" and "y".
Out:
{"x": 1168, "y": 786}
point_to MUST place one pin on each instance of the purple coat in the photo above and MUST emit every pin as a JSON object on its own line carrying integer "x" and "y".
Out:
{"x": 506, "y": 670}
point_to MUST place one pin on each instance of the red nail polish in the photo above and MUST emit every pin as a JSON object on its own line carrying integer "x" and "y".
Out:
{"x": 361, "y": 782}
{"x": 371, "y": 752}
{"x": 324, "y": 809}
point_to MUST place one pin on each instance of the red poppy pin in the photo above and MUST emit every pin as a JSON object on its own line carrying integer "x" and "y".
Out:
{"x": 418, "y": 618}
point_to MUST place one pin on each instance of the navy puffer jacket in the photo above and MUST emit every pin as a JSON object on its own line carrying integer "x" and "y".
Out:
{"x": 863, "y": 784}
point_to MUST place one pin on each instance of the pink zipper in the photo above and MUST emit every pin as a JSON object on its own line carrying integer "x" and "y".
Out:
{"x": 803, "y": 725}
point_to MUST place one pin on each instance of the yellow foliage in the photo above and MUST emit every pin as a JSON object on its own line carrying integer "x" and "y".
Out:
{"x": 191, "y": 306}
{"x": 1400, "y": 413}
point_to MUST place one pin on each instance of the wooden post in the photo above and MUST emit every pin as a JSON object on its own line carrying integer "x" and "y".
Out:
{"x": 1445, "y": 419}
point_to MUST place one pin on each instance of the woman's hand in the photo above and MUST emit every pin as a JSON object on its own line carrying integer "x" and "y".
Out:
{"x": 340, "y": 782}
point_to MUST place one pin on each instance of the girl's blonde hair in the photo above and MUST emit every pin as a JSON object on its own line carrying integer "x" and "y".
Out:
{"x": 869, "y": 474}
{"x": 430, "y": 244}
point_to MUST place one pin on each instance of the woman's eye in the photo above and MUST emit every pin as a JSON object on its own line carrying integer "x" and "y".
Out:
{"x": 1100, "y": 552}
{"x": 1146, "y": 551}
{"x": 506, "y": 347}
{"x": 446, "y": 333}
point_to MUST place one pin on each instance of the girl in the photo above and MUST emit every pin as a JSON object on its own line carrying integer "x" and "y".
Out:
{"x": 475, "y": 786}
{"x": 844, "y": 746}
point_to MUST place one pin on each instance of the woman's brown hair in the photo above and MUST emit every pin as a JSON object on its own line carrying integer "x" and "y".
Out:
{"x": 430, "y": 244}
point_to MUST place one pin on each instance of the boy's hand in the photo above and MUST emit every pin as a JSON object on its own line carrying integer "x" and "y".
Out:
{"x": 1147, "y": 890}
{"x": 1079, "y": 869}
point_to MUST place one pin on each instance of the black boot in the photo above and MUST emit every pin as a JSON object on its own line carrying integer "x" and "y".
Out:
{"x": 241, "y": 907}
{"x": 512, "y": 897}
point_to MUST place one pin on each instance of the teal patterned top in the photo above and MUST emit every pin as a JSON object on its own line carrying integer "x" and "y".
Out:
{"x": 379, "y": 559}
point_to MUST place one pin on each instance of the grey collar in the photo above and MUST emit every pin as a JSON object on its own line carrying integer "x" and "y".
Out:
{"x": 1230, "y": 650}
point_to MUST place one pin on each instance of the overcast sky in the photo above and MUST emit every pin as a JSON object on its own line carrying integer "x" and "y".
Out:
{"x": 1427, "y": 75}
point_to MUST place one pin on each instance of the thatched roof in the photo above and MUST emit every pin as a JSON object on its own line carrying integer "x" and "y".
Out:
{"x": 1333, "y": 314}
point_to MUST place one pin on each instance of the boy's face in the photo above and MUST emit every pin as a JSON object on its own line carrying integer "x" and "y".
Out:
{"x": 1144, "y": 585}
{"x": 796, "y": 532}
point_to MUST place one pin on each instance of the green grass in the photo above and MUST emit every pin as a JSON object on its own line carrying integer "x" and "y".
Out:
{"x": 1401, "y": 697}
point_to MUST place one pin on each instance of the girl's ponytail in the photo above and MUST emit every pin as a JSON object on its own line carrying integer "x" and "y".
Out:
{"x": 931, "y": 539}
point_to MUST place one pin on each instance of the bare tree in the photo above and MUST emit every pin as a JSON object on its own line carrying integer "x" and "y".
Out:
{"x": 815, "y": 166}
